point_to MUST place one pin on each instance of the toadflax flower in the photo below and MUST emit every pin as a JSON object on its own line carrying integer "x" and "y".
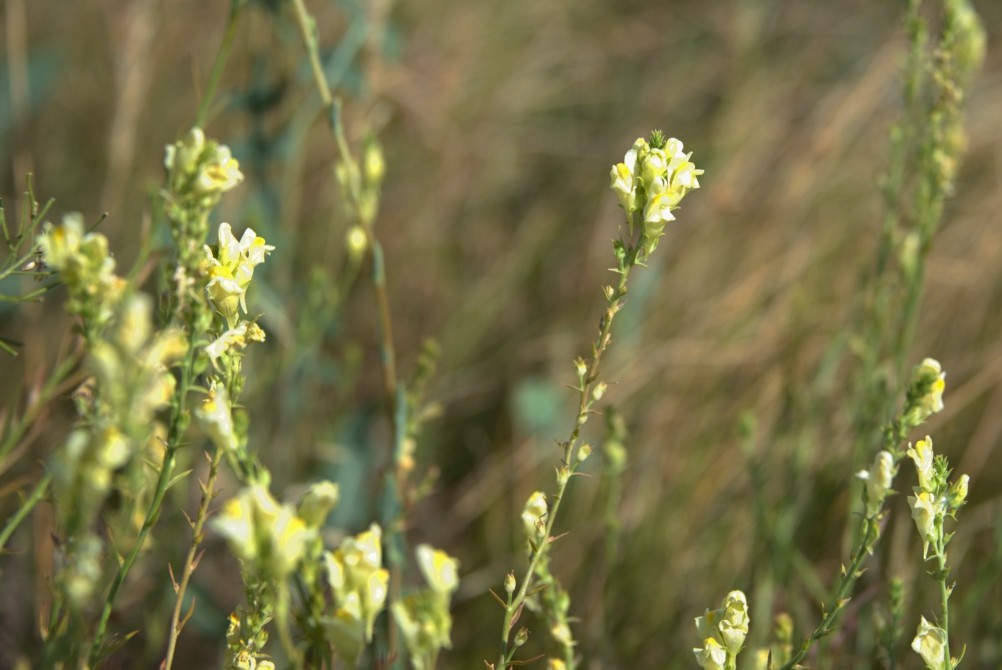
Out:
{"x": 923, "y": 457}
{"x": 927, "y": 511}
{"x": 878, "y": 480}
{"x": 930, "y": 644}
{"x": 651, "y": 182}
{"x": 264, "y": 534}
{"x": 231, "y": 271}
{"x": 723, "y": 632}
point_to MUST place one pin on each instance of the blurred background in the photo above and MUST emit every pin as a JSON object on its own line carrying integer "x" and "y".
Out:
{"x": 499, "y": 121}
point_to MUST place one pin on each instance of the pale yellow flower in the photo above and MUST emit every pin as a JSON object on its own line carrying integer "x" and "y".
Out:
{"x": 231, "y": 271}
{"x": 926, "y": 509}
{"x": 440, "y": 570}
{"x": 923, "y": 457}
{"x": 878, "y": 480}
{"x": 712, "y": 656}
{"x": 930, "y": 644}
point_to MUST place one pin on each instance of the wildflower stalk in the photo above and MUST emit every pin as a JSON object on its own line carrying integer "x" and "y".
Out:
{"x": 586, "y": 384}
{"x": 923, "y": 398}
{"x": 650, "y": 183}
{"x": 361, "y": 189}
{"x": 191, "y": 561}
{"x": 869, "y": 534}
{"x": 307, "y": 31}
{"x": 178, "y": 424}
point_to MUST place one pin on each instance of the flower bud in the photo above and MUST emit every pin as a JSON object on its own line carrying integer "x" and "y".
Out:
{"x": 958, "y": 492}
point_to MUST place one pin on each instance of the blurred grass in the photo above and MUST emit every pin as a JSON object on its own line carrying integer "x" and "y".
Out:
{"x": 499, "y": 122}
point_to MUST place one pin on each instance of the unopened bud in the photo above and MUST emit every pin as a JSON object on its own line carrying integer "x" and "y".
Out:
{"x": 584, "y": 452}
{"x": 521, "y": 637}
{"x": 958, "y": 492}
{"x": 509, "y": 583}
{"x": 599, "y": 391}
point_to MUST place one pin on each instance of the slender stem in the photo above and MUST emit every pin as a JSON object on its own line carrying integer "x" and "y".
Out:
{"x": 516, "y": 603}
{"x": 944, "y": 597}
{"x": 307, "y": 30}
{"x": 870, "y": 534}
{"x": 219, "y": 64}
{"x": 190, "y": 563}
{"x": 175, "y": 432}
{"x": 24, "y": 509}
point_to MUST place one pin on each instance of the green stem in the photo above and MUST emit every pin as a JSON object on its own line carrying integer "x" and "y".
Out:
{"x": 219, "y": 64}
{"x": 175, "y": 432}
{"x": 870, "y": 534}
{"x": 208, "y": 494}
{"x": 307, "y": 31}
{"x": 944, "y": 597}
{"x": 25, "y": 509}
{"x": 516, "y": 603}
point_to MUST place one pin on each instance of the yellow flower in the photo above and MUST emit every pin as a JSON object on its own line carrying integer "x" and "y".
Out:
{"x": 878, "y": 480}
{"x": 930, "y": 644}
{"x": 216, "y": 418}
{"x": 923, "y": 457}
{"x": 265, "y": 535}
{"x": 232, "y": 270}
{"x": 440, "y": 570}
{"x": 712, "y": 656}
{"x": 925, "y": 510}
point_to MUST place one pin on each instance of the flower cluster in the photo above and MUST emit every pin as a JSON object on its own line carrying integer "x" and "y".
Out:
{"x": 723, "y": 632}
{"x": 360, "y": 583}
{"x": 935, "y": 498}
{"x": 268, "y": 538}
{"x": 423, "y": 617}
{"x": 200, "y": 168}
{"x": 924, "y": 396}
{"x": 199, "y": 172}
{"x": 231, "y": 269}
{"x": 651, "y": 182}
{"x": 129, "y": 382}
{"x": 85, "y": 267}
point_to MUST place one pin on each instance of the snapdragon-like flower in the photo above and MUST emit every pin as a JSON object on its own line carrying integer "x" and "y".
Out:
{"x": 234, "y": 339}
{"x": 922, "y": 455}
{"x": 723, "y": 632}
{"x": 203, "y": 167}
{"x": 215, "y": 416}
{"x": 360, "y": 585}
{"x": 925, "y": 391}
{"x": 440, "y": 570}
{"x": 85, "y": 267}
{"x": 878, "y": 480}
{"x": 927, "y": 511}
{"x": 712, "y": 655}
{"x": 231, "y": 270}
{"x": 651, "y": 182}
{"x": 318, "y": 503}
{"x": 265, "y": 535}
{"x": 930, "y": 644}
